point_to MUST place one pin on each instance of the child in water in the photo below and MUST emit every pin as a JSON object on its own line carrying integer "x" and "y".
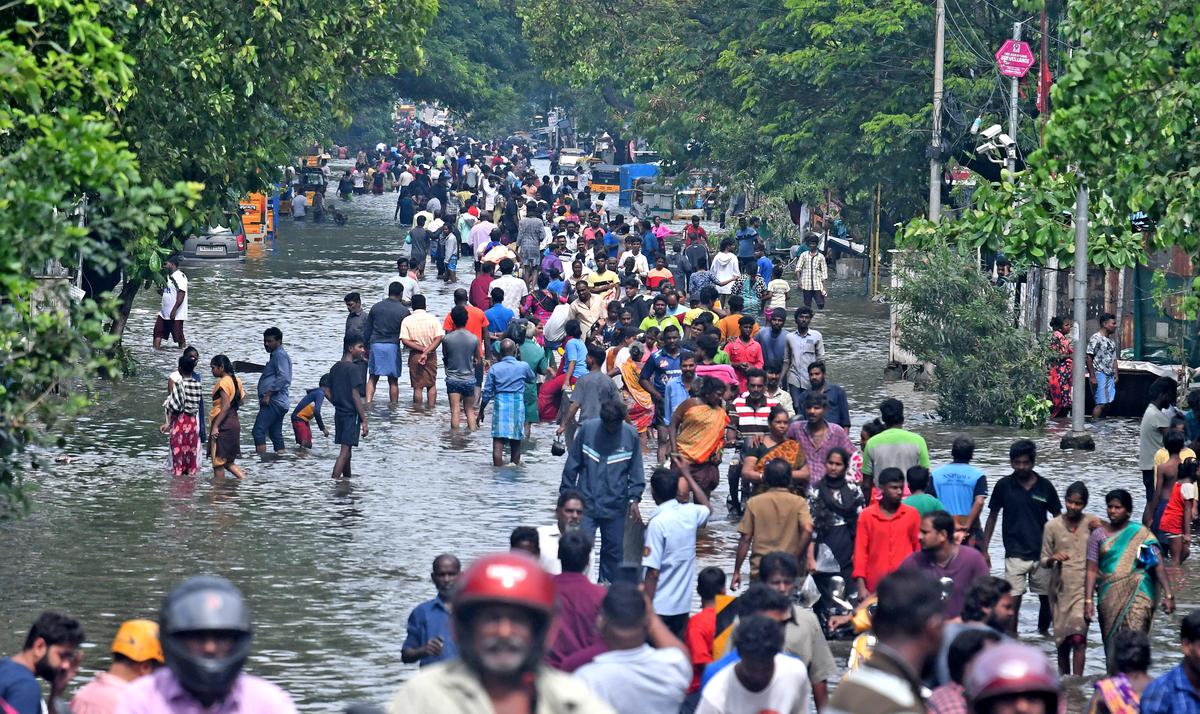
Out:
{"x": 308, "y": 409}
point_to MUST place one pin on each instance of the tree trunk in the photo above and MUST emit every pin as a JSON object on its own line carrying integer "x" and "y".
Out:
{"x": 129, "y": 291}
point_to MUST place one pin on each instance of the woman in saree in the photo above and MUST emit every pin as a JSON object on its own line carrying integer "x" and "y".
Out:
{"x": 698, "y": 432}
{"x": 182, "y": 422}
{"x": 1122, "y": 692}
{"x": 775, "y": 445}
{"x": 224, "y": 428}
{"x": 637, "y": 400}
{"x": 1061, "y": 352}
{"x": 1124, "y": 571}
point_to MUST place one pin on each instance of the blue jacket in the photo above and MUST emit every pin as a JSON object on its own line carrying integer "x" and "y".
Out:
{"x": 606, "y": 467}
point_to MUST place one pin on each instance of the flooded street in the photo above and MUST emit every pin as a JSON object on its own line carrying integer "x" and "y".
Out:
{"x": 332, "y": 569}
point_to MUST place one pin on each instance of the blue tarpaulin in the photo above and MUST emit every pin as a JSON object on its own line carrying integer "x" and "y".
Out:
{"x": 631, "y": 173}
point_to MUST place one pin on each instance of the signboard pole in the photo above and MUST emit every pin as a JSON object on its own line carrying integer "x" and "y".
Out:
{"x": 935, "y": 144}
{"x": 1013, "y": 115}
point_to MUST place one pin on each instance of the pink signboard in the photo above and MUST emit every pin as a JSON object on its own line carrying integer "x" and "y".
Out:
{"x": 1014, "y": 58}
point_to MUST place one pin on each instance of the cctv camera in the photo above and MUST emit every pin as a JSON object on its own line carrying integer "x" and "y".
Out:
{"x": 1006, "y": 141}
{"x": 991, "y": 132}
{"x": 992, "y": 151}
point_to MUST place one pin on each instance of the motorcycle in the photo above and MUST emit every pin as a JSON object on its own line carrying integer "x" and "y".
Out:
{"x": 864, "y": 643}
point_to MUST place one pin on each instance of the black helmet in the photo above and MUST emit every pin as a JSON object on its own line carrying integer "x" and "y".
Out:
{"x": 205, "y": 604}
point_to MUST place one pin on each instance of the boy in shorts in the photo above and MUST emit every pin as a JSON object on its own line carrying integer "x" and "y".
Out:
{"x": 308, "y": 409}
{"x": 346, "y": 384}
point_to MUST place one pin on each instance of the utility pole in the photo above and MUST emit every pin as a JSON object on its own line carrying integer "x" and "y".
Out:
{"x": 935, "y": 143}
{"x": 1013, "y": 115}
{"x": 1078, "y": 437}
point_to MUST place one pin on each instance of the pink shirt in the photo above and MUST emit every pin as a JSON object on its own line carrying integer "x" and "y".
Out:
{"x": 99, "y": 696}
{"x": 161, "y": 693}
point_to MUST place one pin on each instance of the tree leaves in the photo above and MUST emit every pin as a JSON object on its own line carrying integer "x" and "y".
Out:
{"x": 51, "y": 160}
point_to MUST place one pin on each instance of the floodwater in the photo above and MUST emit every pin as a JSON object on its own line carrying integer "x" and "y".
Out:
{"x": 332, "y": 569}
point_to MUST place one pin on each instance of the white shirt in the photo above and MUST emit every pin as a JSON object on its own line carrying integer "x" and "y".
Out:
{"x": 671, "y": 550}
{"x": 618, "y": 361}
{"x": 177, "y": 283}
{"x": 299, "y": 203}
{"x": 406, "y": 178}
{"x": 788, "y": 692}
{"x": 411, "y": 287}
{"x": 640, "y": 265}
{"x": 515, "y": 290}
{"x": 639, "y": 681}
{"x": 725, "y": 267}
{"x": 548, "y": 537}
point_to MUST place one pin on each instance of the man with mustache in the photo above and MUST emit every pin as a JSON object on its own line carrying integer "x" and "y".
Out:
{"x": 503, "y": 610}
{"x": 51, "y": 652}
{"x": 430, "y": 639}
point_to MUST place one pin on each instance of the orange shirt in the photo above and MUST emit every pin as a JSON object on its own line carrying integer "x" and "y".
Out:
{"x": 730, "y": 328}
{"x": 476, "y": 325}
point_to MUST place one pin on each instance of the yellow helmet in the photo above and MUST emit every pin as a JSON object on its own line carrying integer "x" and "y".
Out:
{"x": 138, "y": 640}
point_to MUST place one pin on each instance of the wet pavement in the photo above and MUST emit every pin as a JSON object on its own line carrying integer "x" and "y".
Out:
{"x": 332, "y": 569}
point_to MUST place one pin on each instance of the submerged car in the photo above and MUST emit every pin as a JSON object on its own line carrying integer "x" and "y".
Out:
{"x": 216, "y": 243}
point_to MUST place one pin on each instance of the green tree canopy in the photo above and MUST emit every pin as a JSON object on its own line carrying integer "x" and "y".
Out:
{"x": 794, "y": 95}
{"x": 65, "y": 79}
{"x": 226, "y": 92}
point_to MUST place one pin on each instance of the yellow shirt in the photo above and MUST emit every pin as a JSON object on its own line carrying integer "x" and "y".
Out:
{"x": 1161, "y": 456}
{"x": 597, "y": 278}
{"x": 690, "y": 316}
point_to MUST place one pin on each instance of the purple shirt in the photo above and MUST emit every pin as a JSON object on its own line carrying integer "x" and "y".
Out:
{"x": 963, "y": 568}
{"x": 816, "y": 454}
{"x": 161, "y": 693}
{"x": 552, "y": 264}
{"x": 578, "y": 604}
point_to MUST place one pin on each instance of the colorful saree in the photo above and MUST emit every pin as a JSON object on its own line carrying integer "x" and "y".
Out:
{"x": 701, "y": 433}
{"x": 637, "y": 400}
{"x": 1117, "y": 695}
{"x": 1060, "y": 373}
{"x": 790, "y": 451}
{"x": 1126, "y": 591}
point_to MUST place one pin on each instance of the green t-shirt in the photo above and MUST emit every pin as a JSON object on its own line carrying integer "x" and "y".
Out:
{"x": 924, "y": 503}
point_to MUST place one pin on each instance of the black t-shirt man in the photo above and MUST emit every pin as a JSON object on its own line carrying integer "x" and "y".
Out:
{"x": 1025, "y": 514}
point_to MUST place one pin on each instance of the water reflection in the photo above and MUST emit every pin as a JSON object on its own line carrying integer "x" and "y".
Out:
{"x": 332, "y": 569}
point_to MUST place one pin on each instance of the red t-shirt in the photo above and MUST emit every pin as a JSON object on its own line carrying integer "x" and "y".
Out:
{"x": 478, "y": 292}
{"x": 1172, "y": 517}
{"x": 701, "y": 629}
{"x": 881, "y": 543}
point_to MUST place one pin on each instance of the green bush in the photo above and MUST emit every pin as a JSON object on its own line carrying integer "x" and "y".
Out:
{"x": 986, "y": 370}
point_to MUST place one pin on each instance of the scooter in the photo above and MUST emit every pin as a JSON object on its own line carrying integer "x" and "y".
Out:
{"x": 834, "y": 601}
{"x": 864, "y": 643}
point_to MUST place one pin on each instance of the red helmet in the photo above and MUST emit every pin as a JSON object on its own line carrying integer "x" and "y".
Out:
{"x": 513, "y": 577}
{"x": 1011, "y": 668}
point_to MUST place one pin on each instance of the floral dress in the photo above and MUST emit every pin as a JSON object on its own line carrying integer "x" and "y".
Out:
{"x": 751, "y": 288}
{"x": 1060, "y": 373}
